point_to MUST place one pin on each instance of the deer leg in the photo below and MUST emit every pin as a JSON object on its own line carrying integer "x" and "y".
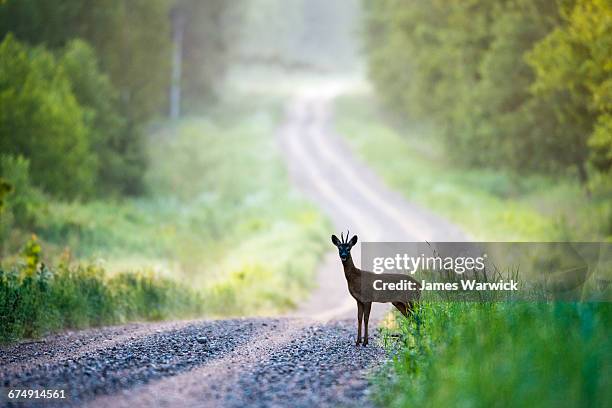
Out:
{"x": 359, "y": 317}
{"x": 401, "y": 307}
{"x": 366, "y": 317}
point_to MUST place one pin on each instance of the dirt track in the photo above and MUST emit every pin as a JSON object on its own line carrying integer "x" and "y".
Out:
{"x": 307, "y": 359}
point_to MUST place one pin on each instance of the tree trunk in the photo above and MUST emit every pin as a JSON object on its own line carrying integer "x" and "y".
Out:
{"x": 178, "y": 27}
{"x": 584, "y": 178}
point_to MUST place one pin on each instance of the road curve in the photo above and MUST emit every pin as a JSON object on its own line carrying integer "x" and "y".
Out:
{"x": 302, "y": 360}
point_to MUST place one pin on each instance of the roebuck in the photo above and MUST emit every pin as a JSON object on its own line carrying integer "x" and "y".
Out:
{"x": 361, "y": 287}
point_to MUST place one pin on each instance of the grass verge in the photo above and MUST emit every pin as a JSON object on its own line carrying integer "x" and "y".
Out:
{"x": 35, "y": 299}
{"x": 500, "y": 354}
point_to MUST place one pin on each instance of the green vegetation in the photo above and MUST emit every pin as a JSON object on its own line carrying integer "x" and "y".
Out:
{"x": 80, "y": 81}
{"x": 496, "y": 115}
{"x": 521, "y": 85}
{"x": 121, "y": 200}
{"x": 573, "y": 73}
{"x": 498, "y": 350}
{"x": 485, "y": 354}
{"x": 119, "y": 152}
{"x": 35, "y": 299}
{"x": 212, "y": 218}
{"x": 508, "y": 354}
{"x": 490, "y": 205}
{"x": 38, "y": 101}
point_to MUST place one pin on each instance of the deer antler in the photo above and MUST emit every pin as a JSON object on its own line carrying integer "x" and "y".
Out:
{"x": 341, "y": 238}
{"x": 348, "y": 235}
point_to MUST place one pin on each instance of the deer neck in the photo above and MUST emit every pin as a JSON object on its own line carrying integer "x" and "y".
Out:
{"x": 349, "y": 267}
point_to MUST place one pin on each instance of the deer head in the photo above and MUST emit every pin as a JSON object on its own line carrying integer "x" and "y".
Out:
{"x": 344, "y": 247}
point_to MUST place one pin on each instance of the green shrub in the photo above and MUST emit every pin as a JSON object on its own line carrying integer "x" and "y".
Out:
{"x": 118, "y": 148}
{"x": 24, "y": 206}
{"x": 35, "y": 299}
{"x": 572, "y": 69}
{"x": 24, "y": 201}
{"x": 5, "y": 189}
{"x": 63, "y": 114}
{"x": 41, "y": 119}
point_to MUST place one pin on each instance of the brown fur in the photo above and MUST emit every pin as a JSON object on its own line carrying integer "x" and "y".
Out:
{"x": 360, "y": 286}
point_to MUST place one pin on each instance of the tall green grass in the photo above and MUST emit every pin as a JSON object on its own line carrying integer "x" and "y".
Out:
{"x": 489, "y": 204}
{"x": 498, "y": 351}
{"x": 500, "y": 354}
{"x": 36, "y": 299}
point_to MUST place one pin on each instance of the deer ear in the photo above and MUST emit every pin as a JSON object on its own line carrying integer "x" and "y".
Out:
{"x": 335, "y": 240}
{"x": 353, "y": 240}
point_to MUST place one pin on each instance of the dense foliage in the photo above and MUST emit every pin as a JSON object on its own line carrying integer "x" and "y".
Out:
{"x": 573, "y": 66}
{"x": 118, "y": 149}
{"x": 518, "y": 84}
{"x": 42, "y": 120}
{"x": 81, "y": 79}
{"x": 110, "y": 77}
{"x": 131, "y": 39}
{"x": 23, "y": 204}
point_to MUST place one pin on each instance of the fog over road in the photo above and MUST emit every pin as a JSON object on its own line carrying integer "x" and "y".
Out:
{"x": 305, "y": 359}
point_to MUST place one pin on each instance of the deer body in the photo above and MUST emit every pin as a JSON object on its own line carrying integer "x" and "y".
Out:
{"x": 362, "y": 289}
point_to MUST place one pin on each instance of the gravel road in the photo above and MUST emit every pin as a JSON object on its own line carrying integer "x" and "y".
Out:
{"x": 233, "y": 363}
{"x": 303, "y": 360}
